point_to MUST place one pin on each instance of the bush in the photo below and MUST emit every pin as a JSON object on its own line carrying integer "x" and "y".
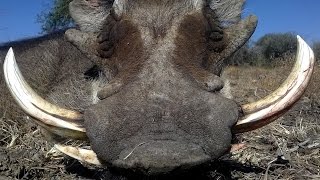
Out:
{"x": 56, "y": 18}
{"x": 277, "y": 45}
{"x": 248, "y": 55}
{"x": 316, "y": 49}
{"x": 267, "y": 49}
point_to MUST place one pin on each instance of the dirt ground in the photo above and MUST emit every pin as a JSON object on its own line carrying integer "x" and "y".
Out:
{"x": 289, "y": 148}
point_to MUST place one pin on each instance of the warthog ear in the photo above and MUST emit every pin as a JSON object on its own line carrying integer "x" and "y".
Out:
{"x": 119, "y": 7}
{"x": 89, "y": 15}
{"x": 227, "y": 11}
{"x": 236, "y": 36}
{"x": 235, "y": 32}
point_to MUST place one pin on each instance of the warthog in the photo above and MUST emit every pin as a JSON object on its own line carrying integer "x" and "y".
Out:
{"x": 152, "y": 103}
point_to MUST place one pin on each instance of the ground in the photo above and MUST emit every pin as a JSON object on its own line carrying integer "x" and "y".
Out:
{"x": 288, "y": 148}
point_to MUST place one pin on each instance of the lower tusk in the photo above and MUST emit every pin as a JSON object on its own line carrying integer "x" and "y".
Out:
{"x": 268, "y": 109}
{"x": 63, "y": 132}
{"x": 83, "y": 155}
{"x": 36, "y": 106}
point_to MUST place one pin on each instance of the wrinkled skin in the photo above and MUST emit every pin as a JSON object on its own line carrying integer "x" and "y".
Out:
{"x": 159, "y": 63}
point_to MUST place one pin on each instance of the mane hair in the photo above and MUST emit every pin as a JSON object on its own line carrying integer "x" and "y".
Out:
{"x": 227, "y": 11}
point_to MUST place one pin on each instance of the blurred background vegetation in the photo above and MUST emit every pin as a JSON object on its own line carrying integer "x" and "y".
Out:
{"x": 271, "y": 49}
{"x": 56, "y": 18}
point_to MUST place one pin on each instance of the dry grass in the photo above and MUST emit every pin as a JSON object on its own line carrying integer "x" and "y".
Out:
{"x": 286, "y": 149}
{"x": 249, "y": 83}
{"x": 25, "y": 154}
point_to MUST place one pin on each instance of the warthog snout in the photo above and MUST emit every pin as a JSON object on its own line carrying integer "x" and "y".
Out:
{"x": 156, "y": 125}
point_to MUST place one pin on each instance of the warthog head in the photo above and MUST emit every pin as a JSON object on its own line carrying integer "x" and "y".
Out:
{"x": 160, "y": 108}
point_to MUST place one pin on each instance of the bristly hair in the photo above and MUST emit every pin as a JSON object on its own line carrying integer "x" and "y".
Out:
{"x": 227, "y": 11}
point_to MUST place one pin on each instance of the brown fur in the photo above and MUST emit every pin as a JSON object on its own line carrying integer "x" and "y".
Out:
{"x": 199, "y": 32}
{"x": 127, "y": 54}
{"x": 193, "y": 46}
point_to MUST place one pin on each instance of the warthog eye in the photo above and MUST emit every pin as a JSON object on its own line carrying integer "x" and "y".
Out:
{"x": 93, "y": 73}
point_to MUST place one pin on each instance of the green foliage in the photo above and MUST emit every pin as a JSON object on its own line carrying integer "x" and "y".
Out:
{"x": 277, "y": 45}
{"x": 267, "y": 49}
{"x": 57, "y": 18}
{"x": 316, "y": 50}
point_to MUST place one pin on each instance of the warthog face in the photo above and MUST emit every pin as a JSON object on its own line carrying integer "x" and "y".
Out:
{"x": 161, "y": 108}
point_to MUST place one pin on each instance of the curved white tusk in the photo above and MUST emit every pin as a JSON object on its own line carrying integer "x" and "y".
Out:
{"x": 266, "y": 110}
{"x": 33, "y": 104}
{"x": 83, "y": 155}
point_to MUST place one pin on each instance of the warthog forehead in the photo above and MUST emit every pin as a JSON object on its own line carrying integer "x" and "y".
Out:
{"x": 159, "y": 13}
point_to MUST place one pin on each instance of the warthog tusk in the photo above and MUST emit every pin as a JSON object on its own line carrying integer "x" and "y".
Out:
{"x": 266, "y": 110}
{"x": 83, "y": 155}
{"x": 49, "y": 115}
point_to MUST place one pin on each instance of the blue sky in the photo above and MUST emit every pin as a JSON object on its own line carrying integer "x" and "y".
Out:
{"x": 18, "y": 17}
{"x": 298, "y": 16}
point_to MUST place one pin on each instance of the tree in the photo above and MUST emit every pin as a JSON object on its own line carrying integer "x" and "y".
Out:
{"x": 57, "y": 18}
{"x": 266, "y": 49}
{"x": 277, "y": 45}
